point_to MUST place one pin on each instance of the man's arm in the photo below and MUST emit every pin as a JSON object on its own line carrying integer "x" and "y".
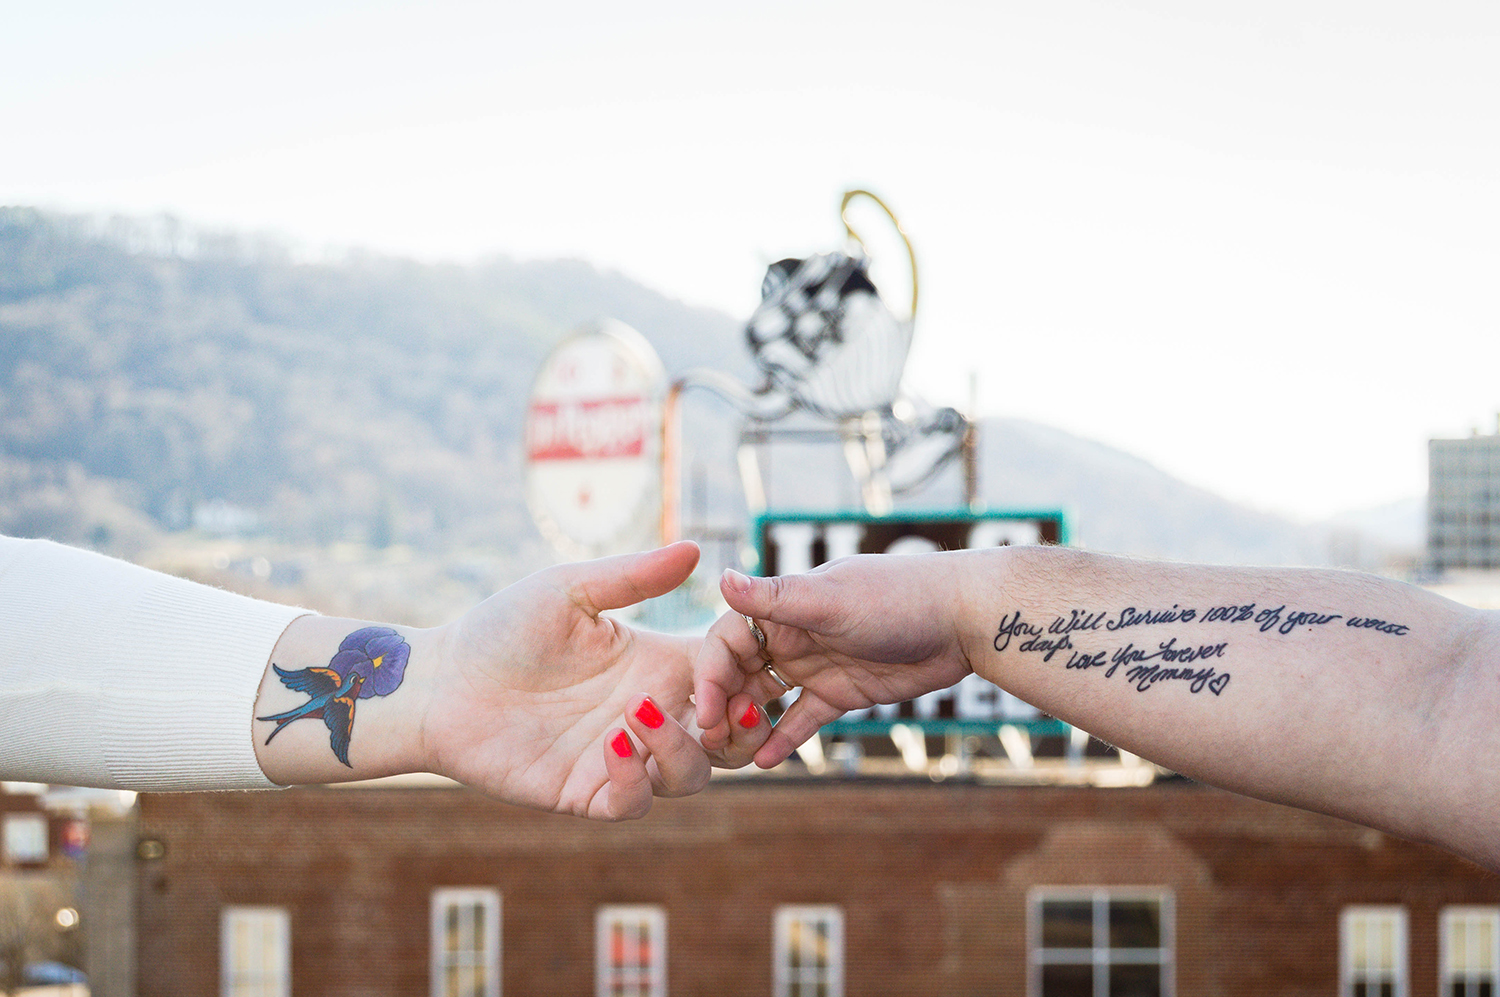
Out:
{"x": 1333, "y": 691}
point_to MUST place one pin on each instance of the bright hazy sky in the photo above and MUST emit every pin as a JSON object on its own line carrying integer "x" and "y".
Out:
{"x": 1254, "y": 242}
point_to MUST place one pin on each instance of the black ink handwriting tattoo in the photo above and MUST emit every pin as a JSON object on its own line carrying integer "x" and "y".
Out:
{"x": 1144, "y": 667}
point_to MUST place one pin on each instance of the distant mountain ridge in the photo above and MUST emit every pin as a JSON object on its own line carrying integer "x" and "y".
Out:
{"x": 381, "y": 400}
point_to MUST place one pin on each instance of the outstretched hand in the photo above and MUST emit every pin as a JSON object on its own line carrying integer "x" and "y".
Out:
{"x": 853, "y": 633}
{"x": 533, "y": 682}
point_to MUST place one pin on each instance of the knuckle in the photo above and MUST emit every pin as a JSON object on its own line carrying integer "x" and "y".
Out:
{"x": 779, "y": 589}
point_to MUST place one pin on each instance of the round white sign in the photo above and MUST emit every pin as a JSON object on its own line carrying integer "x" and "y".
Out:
{"x": 593, "y": 443}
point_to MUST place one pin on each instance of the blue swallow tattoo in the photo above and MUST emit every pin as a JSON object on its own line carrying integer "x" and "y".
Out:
{"x": 332, "y": 699}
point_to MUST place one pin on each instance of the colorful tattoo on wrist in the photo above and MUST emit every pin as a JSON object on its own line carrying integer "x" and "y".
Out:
{"x": 370, "y": 662}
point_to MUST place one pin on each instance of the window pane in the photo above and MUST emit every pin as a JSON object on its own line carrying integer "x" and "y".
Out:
{"x": 1134, "y": 924}
{"x": 1134, "y": 981}
{"x": 1385, "y": 948}
{"x": 1067, "y": 981}
{"x": 1458, "y": 945}
{"x": 1359, "y": 949}
{"x": 26, "y": 837}
{"x": 1484, "y": 929}
{"x": 464, "y": 958}
{"x": 254, "y": 958}
{"x": 1067, "y": 924}
{"x": 808, "y": 952}
{"x": 451, "y": 940}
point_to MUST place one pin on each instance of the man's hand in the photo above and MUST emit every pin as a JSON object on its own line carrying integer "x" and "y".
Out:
{"x": 853, "y": 633}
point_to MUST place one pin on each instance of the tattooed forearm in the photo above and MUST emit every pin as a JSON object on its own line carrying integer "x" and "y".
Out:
{"x": 1146, "y": 666}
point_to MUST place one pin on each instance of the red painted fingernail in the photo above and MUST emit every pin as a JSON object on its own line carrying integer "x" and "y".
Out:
{"x": 648, "y": 714}
{"x": 751, "y": 717}
{"x": 621, "y": 744}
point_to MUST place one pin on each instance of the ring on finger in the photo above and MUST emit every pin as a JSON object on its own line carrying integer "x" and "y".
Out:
{"x": 771, "y": 671}
{"x": 758, "y": 633}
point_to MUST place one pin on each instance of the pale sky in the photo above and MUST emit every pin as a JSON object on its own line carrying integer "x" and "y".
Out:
{"x": 1254, "y": 242}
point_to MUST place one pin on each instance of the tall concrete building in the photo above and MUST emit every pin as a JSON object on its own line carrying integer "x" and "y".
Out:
{"x": 1463, "y": 503}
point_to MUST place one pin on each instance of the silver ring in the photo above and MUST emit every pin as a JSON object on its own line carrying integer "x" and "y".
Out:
{"x": 760, "y": 635}
{"x": 785, "y": 685}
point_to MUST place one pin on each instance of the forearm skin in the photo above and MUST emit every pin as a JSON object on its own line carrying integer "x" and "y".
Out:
{"x": 1334, "y": 691}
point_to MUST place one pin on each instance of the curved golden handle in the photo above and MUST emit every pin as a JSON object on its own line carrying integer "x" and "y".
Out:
{"x": 850, "y": 195}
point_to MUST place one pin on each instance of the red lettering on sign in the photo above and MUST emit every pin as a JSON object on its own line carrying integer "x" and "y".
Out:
{"x": 587, "y": 430}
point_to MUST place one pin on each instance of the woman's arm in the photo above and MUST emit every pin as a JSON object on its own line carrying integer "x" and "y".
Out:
{"x": 1333, "y": 691}
{"x": 522, "y": 697}
{"x": 115, "y": 676}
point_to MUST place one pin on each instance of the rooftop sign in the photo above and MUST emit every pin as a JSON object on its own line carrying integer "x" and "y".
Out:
{"x": 593, "y": 443}
{"x": 790, "y": 542}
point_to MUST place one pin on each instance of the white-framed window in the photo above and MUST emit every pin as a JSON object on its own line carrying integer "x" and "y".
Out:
{"x": 1097, "y": 942}
{"x": 25, "y": 838}
{"x": 465, "y": 942}
{"x": 1372, "y": 952}
{"x": 1469, "y": 944}
{"x": 808, "y": 952}
{"x": 630, "y": 951}
{"x": 255, "y": 952}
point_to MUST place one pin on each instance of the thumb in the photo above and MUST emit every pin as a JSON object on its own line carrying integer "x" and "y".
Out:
{"x": 616, "y": 582}
{"x": 806, "y": 602}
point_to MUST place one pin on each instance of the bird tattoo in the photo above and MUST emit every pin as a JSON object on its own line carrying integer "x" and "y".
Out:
{"x": 370, "y": 662}
{"x": 333, "y": 699}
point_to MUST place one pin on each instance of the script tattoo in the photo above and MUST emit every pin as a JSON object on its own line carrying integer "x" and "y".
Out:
{"x": 1176, "y": 659}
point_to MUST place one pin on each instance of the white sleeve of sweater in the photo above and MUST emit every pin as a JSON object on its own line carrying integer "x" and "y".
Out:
{"x": 115, "y": 676}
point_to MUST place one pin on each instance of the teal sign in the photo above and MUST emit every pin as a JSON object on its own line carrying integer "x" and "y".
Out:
{"x": 793, "y": 541}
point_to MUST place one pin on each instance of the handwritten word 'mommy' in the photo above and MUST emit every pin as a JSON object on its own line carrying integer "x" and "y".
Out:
{"x": 1145, "y": 676}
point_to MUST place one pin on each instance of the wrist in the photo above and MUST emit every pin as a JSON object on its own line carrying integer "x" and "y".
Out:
{"x": 978, "y": 589}
{"x": 345, "y": 700}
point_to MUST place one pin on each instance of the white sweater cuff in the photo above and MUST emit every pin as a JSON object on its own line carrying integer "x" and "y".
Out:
{"x": 115, "y": 676}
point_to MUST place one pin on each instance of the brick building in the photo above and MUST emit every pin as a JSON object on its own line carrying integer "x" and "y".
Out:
{"x": 801, "y": 886}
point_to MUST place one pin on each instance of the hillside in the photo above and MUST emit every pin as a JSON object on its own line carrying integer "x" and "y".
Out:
{"x": 160, "y": 389}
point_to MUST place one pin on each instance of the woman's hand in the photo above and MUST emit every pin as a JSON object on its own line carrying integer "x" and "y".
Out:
{"x": 534, "y": 696}
{"x": 852, "y": 633}
{"x": 532, "y": 684}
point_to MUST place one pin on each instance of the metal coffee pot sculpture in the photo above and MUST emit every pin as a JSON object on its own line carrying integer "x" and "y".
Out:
{"x": 830, "y": 347}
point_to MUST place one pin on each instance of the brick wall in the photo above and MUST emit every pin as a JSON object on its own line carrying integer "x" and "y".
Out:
{"x": 933, "y": 880}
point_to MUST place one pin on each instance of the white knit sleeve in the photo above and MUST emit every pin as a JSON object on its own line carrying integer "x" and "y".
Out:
{"x": 115, "y": 676}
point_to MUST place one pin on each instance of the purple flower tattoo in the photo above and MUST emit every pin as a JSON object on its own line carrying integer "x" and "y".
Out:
{"x": 377, "y": 653}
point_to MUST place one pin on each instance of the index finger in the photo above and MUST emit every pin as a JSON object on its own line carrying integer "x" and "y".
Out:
{"x": 718, "y": 670}
{"x": 681, "y": 768}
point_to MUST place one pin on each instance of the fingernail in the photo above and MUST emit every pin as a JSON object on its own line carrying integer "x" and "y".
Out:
{"x": 621, "y": 744}
{"x": 751, "y": 717}
{"x": 737, "y": 581}
{"x": 648, "y": 714}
